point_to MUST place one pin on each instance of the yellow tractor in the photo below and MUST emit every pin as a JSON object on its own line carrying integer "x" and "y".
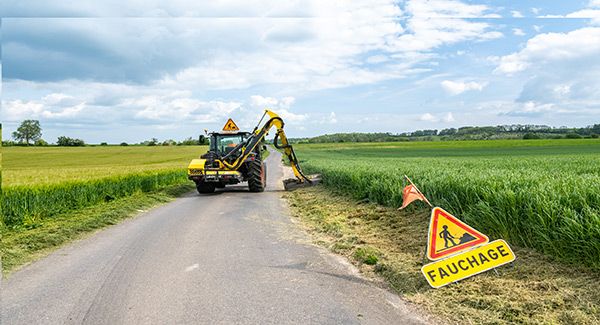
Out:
{"x": 235, "y": 156}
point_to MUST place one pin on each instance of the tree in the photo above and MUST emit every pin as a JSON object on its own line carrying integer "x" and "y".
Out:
{"x": 30, "y": 130}
{"x": 69, "y": 142}
{"x": 40, "y": 143}
{"x": 153, "y": 142}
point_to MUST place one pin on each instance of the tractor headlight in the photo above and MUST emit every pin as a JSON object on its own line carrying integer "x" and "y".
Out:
{"x": 193, "y": 171}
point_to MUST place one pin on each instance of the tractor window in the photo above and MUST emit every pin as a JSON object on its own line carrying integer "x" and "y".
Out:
{"x": 225, "y": 143}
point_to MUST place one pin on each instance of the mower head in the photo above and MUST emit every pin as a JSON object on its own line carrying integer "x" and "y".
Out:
{"x": 291, "y": 184}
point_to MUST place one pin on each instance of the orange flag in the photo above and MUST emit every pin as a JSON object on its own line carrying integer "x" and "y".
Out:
{"x": 410, "y": 194}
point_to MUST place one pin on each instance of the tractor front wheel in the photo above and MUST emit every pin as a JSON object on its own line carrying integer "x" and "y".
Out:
{"x": 205, "y": 188}
{"x": 257, "y": 176}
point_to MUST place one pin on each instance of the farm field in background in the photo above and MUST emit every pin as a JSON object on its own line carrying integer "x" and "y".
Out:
{"x": 51, "y": 165}
{"x": 41, "y": 182}
{"x": 542, "y": 194}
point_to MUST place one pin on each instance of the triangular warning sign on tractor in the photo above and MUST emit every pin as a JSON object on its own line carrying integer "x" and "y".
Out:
{"x": 448, "y": 235}
{"x": 230, "y": 126}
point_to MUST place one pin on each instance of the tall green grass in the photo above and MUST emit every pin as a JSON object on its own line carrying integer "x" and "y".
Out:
{"x": 23, "y": 204}
{"x": 542, "y": 195}
{"x": 42, "y": 182}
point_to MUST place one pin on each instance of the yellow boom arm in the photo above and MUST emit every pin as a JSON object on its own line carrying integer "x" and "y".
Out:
{"x": 257, "y": 136}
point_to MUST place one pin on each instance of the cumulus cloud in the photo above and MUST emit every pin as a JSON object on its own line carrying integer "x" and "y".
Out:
{"x": 529, "y": 109}
{"x": 553, "y": 47}
{"x": 51, "y": 106}
{"x": 516, "y": 14}
{"x": 459, "y": 87}
{"x": 518, "y": 32}
{"x": 562, "y": 70}
{"x": 592, "y": 12}
{"x": 280, "y": 105}
{"x": 446, "y": 118}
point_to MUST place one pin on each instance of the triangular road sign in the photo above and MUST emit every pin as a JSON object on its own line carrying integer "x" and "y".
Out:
{"x": 448, "y": 235}
{"x": 230, "y": 126}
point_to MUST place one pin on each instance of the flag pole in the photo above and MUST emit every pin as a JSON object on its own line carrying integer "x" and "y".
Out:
{"x": 418, "y": 190}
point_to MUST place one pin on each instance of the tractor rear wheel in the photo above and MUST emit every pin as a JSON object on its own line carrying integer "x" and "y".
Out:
{"x": 205, "y": 188}
{"x": 257, "y": 176}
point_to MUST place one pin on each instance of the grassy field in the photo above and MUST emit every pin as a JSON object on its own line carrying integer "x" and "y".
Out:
{"x": 51, "y": 165}
{"x": 541, "y": 194}
{"x": 42, "y": 182}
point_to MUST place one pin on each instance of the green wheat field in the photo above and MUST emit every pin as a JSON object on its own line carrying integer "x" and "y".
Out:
{"x": 41, "y": 182}
{"x": 541, "y": 194}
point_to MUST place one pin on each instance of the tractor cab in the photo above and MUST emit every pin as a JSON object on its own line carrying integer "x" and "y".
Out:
{"x": 224, "y": 143}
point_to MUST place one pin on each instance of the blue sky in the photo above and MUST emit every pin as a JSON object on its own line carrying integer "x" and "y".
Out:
{"x": 115, "y": 71}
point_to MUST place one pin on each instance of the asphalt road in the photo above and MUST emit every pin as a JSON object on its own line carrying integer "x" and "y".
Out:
{"x": 233, "y": 257}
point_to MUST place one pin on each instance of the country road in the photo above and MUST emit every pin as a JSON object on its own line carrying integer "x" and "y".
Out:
{"x": 233, "y": 257}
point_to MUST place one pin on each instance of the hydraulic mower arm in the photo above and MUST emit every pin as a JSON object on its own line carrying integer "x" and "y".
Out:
{"x": 258, "y": 134}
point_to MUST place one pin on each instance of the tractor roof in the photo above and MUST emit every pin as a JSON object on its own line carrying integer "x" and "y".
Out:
{"x": 230, "y": 133}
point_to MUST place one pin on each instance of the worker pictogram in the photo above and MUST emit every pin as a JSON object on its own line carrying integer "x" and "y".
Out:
{"x": 448, "y": 235}
{"x": 230, "y": 126}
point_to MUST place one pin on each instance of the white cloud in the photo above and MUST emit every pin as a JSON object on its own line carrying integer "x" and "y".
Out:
{"x": 529, "y": 109}
{"x": 447, "y": 9}
{"x": 428, "y": 117}
{"x": 459, "y": 87}
{"x": 374, "y": 59}
{"x": 174, "y": 108}
{"x": 332, "y": 118}
{"x": 537, "y": 28}
{"x": 330, "y": 56}
{"x": 535, "y": 11}
{"x": 426, "y": 33}
{"x": 518, "y": 32}
{"x": 280, "y": 106}
{"x": 516, "y": 14}
{"x": 562, "y": 74}
{"x": 446, "y": 118}
{"x": 51, "y": 106}
{"x": 553, "y": 47}
{"x": 593, "y": 14}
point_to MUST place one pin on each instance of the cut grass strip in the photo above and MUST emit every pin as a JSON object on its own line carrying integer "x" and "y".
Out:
{"x": 535, "y": 289}
{"x": 21, "y": 245}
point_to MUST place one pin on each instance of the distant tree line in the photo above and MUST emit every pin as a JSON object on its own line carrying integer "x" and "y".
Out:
{"x": 29, "y": 133}
{"x": 516, "y": 131}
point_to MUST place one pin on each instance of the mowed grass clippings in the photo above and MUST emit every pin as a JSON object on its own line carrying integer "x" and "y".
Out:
{"x": 23, "y": 244}
{"x": 541, "y": 194}
{"x": 534, "y": 289}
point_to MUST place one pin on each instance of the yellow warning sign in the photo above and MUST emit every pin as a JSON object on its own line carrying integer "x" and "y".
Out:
{"x": 464, "y": 265}
{"x": 448, "y": 235}
{"x": 230, "y": 126}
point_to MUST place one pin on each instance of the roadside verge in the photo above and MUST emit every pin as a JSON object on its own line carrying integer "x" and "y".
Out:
{"x": 387, "y": 243}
